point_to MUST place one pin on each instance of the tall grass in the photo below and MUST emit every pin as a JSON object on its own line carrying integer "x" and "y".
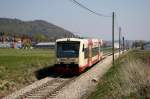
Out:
{"x": 129, "y": 78}
{"x": 135, "y": 79}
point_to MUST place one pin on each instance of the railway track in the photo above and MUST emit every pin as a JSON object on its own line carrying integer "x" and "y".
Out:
{"x": 48, "y": 90}
{"x": 51, "y": 88}
{"x": 109, "y": 53}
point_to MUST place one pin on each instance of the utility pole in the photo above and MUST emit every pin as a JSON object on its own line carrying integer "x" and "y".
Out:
{"x": 119, "y": 39}
{"x": 123, "y": 43}
{"x": 126, "y": 45}
{"x": 113, "y": 58}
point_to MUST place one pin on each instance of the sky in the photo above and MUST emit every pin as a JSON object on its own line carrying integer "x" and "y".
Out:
{"x": 133, "y": 16}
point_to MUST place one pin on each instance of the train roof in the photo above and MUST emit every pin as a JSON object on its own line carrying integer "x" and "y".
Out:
{"x": 77, "y": 39}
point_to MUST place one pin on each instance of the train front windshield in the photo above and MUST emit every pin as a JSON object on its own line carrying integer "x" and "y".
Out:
{"x": 68, "y": 49}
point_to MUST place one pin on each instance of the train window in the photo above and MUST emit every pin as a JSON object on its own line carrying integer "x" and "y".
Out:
{"x": 68, "y": 49}
{"x": 86, "y": 53}
{"x": 95, "y": 51}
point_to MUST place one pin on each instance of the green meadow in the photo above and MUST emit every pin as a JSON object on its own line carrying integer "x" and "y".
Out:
{"x": 18, "y": 66}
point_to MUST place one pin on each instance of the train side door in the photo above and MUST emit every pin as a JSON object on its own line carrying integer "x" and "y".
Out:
{"x": 89, "y": 55}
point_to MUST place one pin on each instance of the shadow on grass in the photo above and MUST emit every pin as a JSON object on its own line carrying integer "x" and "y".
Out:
{"x": 50, "y": 71}
{"x": 45, "y": 72}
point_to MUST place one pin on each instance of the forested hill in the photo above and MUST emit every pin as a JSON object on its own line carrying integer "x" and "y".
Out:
{"x": 18, "y": 27}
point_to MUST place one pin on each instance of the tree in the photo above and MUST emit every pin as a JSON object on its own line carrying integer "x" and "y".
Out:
{"x": 40, "y": 37}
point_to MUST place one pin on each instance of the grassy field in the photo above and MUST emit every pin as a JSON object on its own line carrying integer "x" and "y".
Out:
{"x": 17, "y": 67}
{"x": 107, "y": 49}
{"x": 129, "y": 78}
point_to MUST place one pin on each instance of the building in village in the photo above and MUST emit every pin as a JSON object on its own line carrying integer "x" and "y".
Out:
{"x": 8, "y": 41}
{"x": 44, "y": 45}
{"x": 147, "y": 46}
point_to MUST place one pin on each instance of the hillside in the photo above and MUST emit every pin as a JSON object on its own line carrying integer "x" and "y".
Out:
{"x": 16, "y": 26}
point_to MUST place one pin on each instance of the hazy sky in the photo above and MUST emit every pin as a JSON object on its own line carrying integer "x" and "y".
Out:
{"x": 132, "y": 15}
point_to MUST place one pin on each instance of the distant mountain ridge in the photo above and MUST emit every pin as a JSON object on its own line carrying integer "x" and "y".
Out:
{"x": 16, "y": 26}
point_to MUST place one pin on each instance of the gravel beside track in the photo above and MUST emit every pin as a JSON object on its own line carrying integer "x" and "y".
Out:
{"x": 17, "y": 94}
{"x": 49, "y": 90}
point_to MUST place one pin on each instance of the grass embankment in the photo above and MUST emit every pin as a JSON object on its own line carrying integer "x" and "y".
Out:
{"x": 17, "y": 67}
{"x": 129, "y": 78}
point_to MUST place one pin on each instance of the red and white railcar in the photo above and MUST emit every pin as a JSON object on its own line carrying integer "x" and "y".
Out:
{"x": 74, "y": 55}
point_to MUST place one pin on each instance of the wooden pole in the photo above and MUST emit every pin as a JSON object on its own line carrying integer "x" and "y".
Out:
{"x": 119, "y": 39}
{"x": 113, "y": 58}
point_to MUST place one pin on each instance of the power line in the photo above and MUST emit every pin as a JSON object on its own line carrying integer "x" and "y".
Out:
{"x": 86, "y": 8}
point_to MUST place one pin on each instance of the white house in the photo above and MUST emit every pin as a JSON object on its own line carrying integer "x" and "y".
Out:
{"x": 147, "y": 46}
{"x": 45, "y": 45}
{"x": 116, "y": 45}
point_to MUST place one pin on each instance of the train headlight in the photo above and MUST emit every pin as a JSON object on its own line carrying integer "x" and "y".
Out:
{"x": 76, "y": 60}
{"x": 58, "y": 60}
